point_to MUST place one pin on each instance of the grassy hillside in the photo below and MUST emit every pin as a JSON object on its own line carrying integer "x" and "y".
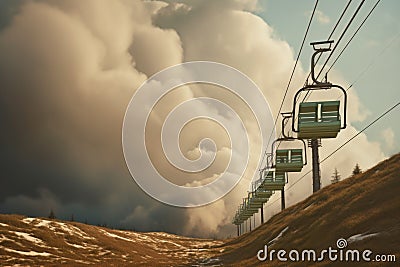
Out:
{"x": 40, "y": 241}
{"x": 363, "y": 210}
{"x": 367, "y": 205}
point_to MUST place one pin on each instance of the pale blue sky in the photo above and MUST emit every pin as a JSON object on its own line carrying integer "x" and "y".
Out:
{"x": 378, "y": 87}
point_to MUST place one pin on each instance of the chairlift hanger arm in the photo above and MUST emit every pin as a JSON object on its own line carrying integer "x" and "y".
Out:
{"x": 318, "y": 83}
{"x": 329, "y": 42}
{"x": 285, "y": 118}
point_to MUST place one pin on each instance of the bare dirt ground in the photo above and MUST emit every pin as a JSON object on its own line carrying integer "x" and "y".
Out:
{"x": 364, "y": 210}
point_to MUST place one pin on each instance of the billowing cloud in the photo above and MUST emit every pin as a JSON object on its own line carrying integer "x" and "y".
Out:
{"x": 322, "y": 17}
{"x": 67, "y": 75}
{"x": 67, "y": 72}
{"x": 388, "y": 136}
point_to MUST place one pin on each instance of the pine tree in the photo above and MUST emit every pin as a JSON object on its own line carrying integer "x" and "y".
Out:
{"x": 357, "y": 170}
{"x": 52, "y": 215}
{"x": 335, "y": 177}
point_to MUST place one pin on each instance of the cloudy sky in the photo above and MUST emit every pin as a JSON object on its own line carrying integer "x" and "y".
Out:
{"x": 68, "y": 70}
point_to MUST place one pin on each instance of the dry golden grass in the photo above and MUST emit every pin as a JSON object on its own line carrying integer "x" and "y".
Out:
{"x": 366, "y": 203}
{"x": 76, "y": 244}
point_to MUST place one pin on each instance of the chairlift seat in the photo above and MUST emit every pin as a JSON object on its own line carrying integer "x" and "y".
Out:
{"x": 262, "y": 193}
{"x": 319, "y": 119}
{"x": 249, "y": 213}
{"x": 255, "y": 205}
{"x": 262, "y": 200}
{"x": 258, "y": 199}
{"x": 277, "y": 183}
{"x": 289, "y": 160}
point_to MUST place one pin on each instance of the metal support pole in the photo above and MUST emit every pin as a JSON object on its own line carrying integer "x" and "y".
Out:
{"x": 262, "y": 213}
{"x": 315, "y": 143}
{"x": 283, "y": 199}
{"x": 250, "y": 224}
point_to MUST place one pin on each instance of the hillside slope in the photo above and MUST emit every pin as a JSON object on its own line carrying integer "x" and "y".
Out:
{"x": 364, "y": 210}
{"x": 38, "y": 241}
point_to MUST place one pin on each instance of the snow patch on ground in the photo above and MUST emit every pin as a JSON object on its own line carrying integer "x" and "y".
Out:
{"x": 39, "y": 222}
{"x": 106, "y": 252}
{"x": 56, "y": 226}
{"x": 28, "y": 220}
{"x": 309, "y": 206}
{"x": 75, "y": 245}
{"x": 116, "y": 236}
{"x": 209, "y": 262}
{"x": 28, "y": 253}
{"x": 278, "y": 236}
{"x": 5, "y": 238}
{"x": 170, "y": 242}
{"x": 165, "y": 235}
{"x": 3, "y": 224}
{"x": 141, "y": 237}
{"x": 28, "y": 237}
{"x": 83, "y": 262}
{"x": 359, "y": 237}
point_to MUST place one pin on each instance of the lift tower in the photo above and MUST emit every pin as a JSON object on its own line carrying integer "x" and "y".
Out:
{"x": 316, "y": 172}
{"x": 315, "y": 143}
{"x": 318, "y": 119}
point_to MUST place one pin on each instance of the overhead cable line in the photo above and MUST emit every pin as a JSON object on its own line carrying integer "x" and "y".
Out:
{"x": 372, "y": 62}
{"x": 336, "y": 45}
{"x": 332, "y": 32}
{"x": 291, "y": 76}
{"x": 365, "y": 128}
{"x": 348, "y": 141}
{"x": 340, "y": 147}
{"x": 270, "y": 204}
{"x": 341, "y": 36}
{"x": 330, "y": 35}
{"x": 348, "y": 42}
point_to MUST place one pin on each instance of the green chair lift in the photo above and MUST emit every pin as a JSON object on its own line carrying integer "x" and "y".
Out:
{"x": 321, "y": 119}
{"x": 292, "y": 159}
{"x": 262, "y": 195}
{"x": 273, "y": 180}
{"x": 289, "y": 160}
